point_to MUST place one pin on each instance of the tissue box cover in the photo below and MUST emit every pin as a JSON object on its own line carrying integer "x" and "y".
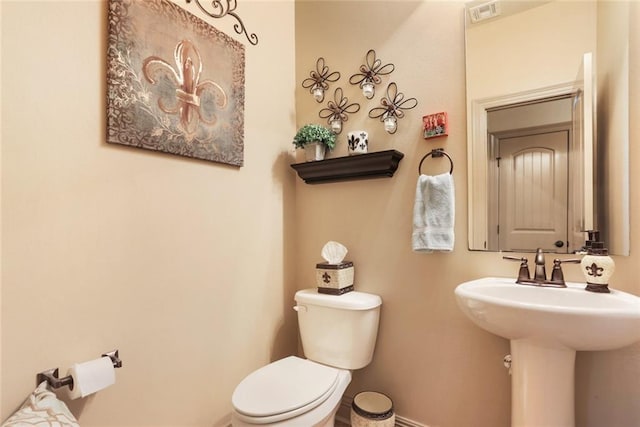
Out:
{"x": 334, "y": 278}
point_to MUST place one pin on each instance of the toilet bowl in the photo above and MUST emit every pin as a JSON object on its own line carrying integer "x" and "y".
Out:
{"x": 338, "y": 335}
{"x": 291, "y": 392}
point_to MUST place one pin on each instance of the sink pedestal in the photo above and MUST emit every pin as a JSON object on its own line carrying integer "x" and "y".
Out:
{"x": 542, "y": 384}
{"x": 546, "y": 326}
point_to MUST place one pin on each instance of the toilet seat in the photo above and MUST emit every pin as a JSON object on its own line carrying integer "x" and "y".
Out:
{"x": 284, "y": 389}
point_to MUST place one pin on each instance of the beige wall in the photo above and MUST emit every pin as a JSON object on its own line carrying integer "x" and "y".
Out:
{"x": 440, "y": 369}
{"x": 181, "y": 264}
{"x": 613, "y": 118}
{"x": 104, "y": 246}
{"x": 533, "y": 48}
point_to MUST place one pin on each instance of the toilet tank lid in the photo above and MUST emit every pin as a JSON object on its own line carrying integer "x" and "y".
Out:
{"x": 350, "y": 301}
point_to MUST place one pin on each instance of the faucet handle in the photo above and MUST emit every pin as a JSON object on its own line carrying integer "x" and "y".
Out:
{"x": 569, "y": 261}
{"x": 515, "y": 258}
{"x": 557, "y": 277}
{"x": 523, "y": 273}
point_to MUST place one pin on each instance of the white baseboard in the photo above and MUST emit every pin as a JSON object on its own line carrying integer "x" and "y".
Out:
{"x": 344, "y": 415}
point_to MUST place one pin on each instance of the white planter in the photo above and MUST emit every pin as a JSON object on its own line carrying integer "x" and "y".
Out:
{"x": 314, "y": 151}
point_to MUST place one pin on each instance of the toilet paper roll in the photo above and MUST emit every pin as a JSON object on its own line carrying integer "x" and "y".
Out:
{"x": 89, "y": 377}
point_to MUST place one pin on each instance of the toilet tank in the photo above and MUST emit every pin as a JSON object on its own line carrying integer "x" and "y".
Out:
{"x": 338, "y": 330}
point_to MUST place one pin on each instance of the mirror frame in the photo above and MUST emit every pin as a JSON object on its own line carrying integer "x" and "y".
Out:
{"x": 477, "y": 166}
{"x": 611, "y": 189}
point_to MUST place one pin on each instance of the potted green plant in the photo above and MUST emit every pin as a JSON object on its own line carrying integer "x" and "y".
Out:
{"x": 315, "y": 139}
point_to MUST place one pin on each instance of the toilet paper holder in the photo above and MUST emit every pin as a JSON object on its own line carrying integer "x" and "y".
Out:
{"x": 51, "y": 375}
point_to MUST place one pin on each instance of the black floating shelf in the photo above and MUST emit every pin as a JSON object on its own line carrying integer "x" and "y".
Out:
{"x": 380, "y": 164}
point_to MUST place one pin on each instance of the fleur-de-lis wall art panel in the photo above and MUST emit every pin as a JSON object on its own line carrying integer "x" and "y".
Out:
{"x": 175, "y": 84}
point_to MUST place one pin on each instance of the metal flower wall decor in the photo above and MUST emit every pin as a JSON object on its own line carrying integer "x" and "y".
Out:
{"x": 337, "y": 110}
{"x": 393, "y": 106}
{"x": 370, "y": 73}
{"x": 175, "y": 84}
{"x": 317, "y": 82}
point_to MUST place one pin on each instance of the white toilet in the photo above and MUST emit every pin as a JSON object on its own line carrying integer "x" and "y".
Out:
{"x": 338, "y": 335}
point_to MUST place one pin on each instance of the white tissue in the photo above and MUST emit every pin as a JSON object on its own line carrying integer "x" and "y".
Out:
{"x": 91, "y": 376}
{"x": 334, "y": 252}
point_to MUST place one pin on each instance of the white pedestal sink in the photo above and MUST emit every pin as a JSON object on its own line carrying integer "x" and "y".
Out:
{"x": 546, "y": 326}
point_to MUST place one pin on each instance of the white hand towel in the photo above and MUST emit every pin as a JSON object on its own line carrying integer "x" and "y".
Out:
{"x": 434, "y": 214}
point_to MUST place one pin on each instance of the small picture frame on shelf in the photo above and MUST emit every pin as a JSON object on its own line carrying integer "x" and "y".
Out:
{"x": 435, "y": 125}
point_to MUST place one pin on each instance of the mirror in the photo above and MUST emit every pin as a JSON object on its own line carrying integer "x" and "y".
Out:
{"x": 543, "y": 166}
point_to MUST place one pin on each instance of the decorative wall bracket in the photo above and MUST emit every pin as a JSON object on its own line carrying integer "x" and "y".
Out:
{"x": 221, "y": 8}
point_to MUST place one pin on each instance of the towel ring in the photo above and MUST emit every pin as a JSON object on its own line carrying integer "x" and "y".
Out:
{"x": 438, "y": 152}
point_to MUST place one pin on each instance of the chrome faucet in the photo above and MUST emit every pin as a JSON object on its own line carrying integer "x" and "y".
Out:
{"x": 540, "y": 272}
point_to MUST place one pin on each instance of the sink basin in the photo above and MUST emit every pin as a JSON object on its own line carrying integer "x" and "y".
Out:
{"x": 570, "y": 317}
{"x": 546, "y": 326}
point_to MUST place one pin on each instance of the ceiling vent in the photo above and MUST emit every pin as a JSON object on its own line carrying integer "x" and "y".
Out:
{"x": 484, "y": 11}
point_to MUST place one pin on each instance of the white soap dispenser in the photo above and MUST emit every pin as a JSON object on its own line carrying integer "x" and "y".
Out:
{"x": 597, "y": 266}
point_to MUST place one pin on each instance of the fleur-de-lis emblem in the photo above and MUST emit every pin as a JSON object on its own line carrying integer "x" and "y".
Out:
{"x": 193, "y": 100}
{"x": 357, "y": 141}
{"x": 319, "y": 79}
{"x": 371, "y": 71}
{"x": 594, "y": 270}
{"x": 326, "y": 278}
{"x": 392, "y": 107}
{"x": 393, "y": 104}
{"x": 353, "y": 141}
{"x": 338, "y": 108}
